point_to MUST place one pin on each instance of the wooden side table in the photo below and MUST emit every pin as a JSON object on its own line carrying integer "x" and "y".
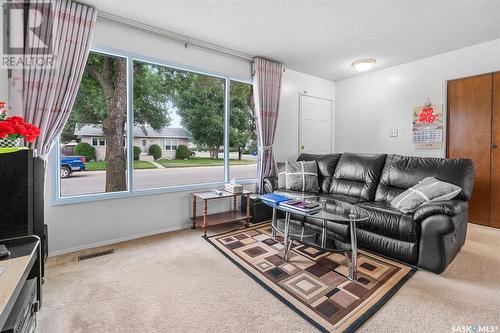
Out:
{"x": 219, "y": 218}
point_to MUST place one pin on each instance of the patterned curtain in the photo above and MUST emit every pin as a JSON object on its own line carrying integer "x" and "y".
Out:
{"x": 44, "y": 93}
{"x": 266, "y": 95}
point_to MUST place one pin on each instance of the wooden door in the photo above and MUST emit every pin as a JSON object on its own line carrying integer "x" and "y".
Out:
{"x": 315, "y": 125}
{"x": 495, "y": 154}
{"x": 469, "y": 136}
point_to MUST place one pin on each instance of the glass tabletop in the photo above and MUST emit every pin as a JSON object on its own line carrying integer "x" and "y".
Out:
{"x": 216, "y": 194}
{"x": 330, "y": 209}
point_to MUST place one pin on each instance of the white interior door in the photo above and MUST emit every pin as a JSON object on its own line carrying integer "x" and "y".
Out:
{"x": 315, "y": 125}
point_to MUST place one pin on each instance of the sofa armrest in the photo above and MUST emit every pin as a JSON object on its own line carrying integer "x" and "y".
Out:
{"x": 450, "y": 208}
{"x": 270, "y": 184}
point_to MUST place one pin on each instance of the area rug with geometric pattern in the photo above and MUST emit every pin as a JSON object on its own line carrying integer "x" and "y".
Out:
{"x": 313, "y": 282}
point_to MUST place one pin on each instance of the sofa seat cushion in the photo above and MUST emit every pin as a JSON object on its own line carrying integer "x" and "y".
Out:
{"x": 344, "y": 198}
{"x": 389, "y": 221}
{"x": 381, "y": 244}
{"x": 335, "y": 230}
{"x": 305, "y": 195}
{"x": 398, "y": 249}
{"x": 295, "y": 194}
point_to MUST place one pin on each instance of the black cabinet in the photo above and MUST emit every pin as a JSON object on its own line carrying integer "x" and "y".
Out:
{"x": 22, "y": 196}
{"x": 258, "y": 210}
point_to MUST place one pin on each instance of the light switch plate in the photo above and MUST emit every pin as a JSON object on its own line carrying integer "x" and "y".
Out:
{"x": 394, "y": 132}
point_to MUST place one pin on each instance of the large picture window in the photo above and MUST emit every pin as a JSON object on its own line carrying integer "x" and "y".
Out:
{"x": 182, "y": 133}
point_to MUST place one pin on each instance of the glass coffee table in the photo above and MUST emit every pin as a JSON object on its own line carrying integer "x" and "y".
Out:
{"x": 314, "y": 231}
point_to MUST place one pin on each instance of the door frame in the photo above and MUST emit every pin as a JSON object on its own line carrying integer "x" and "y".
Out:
{"x": 299, "y": 134}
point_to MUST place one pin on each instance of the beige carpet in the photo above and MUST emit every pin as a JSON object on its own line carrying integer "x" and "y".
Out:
{"x": 178, "y": 282}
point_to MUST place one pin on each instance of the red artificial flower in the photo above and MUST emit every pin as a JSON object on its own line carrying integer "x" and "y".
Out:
{"x": 2, "y": 105}
{"x": 6, "y": 129}
{"x": 32, "y": 132}
{"x": 15, "y": 120}
{"x": 18, "y": 125}
{"x": 15, "y": 126}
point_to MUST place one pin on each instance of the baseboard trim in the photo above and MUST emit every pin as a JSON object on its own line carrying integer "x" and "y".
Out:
{"x": 117, "y": 240}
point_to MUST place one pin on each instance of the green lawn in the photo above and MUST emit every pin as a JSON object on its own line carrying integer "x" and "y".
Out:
{"x": 201, "y": 161}
{"x": 192, "y": 162}
{"x": 101, "y": 165}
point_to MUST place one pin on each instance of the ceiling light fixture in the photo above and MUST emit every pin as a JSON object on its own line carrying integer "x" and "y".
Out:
{"x": 363, "y": 65}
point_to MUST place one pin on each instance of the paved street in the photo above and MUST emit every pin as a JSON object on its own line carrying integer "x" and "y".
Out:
{"x": 88, "y": 182}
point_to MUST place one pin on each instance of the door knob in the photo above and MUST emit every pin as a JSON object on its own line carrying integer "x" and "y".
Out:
{"x": 494, "y": 145}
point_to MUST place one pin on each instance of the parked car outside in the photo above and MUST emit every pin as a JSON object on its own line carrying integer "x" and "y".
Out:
{"x": 70, "y": 164}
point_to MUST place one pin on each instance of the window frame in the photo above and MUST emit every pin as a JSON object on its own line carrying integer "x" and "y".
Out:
{"x": 172, "y": 144}
{"x": 99, "y": 140}
{"x": 130, "y": 191}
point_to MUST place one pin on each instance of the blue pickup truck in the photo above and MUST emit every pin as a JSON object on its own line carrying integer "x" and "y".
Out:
{"x": 70, "y": 164}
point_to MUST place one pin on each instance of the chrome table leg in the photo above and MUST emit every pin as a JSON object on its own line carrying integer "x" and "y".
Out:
{"x": 353, "y": 272}
{"x": 274, "y": 224}
{"x": 323, "y": 234}
{"x": 286, "y": 239}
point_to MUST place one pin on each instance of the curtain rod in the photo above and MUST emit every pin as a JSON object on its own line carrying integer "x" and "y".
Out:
{"x": 183, "y": 39}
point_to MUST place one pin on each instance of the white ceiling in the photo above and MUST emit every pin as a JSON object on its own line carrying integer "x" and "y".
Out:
{"x": 323, "y": 37}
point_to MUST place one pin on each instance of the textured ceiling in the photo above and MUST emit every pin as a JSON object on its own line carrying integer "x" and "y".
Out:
{"x": 323, "y": 38}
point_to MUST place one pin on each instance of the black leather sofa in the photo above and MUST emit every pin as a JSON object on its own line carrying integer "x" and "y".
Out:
{"x": 430, "y": 238}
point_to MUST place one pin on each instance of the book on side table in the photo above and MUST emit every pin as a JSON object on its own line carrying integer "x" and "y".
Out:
{"x": 298, "y": 205}
{"x": 301, "y": 206}
{"x": 274, "y": 199}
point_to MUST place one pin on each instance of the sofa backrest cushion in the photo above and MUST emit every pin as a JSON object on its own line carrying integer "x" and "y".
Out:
{"x": 402, "y": 172}
{"x": 326, "y": 167}
{"x": 357, "y": 175}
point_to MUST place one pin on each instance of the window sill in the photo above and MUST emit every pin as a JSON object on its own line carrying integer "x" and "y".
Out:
{"x": 77, "y": 199}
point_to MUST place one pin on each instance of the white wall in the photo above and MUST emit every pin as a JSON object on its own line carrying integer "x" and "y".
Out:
{"x": 111, "y": 36}
{"x": 83, "y": 225}
{"x": 287, "y": 131}
{"x": 368, "y": 106}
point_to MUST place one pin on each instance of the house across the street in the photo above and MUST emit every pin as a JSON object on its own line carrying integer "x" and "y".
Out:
{"x": 168, "y": 138}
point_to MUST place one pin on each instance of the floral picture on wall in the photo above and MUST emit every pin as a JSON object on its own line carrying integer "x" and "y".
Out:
{"x": 428, "y": 127}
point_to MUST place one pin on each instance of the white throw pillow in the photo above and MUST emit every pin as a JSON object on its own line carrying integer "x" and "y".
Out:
{"x": 427, "y": 190}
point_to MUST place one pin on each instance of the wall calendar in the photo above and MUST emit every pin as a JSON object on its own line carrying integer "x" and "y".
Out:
{"x": 428, "y": 126}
